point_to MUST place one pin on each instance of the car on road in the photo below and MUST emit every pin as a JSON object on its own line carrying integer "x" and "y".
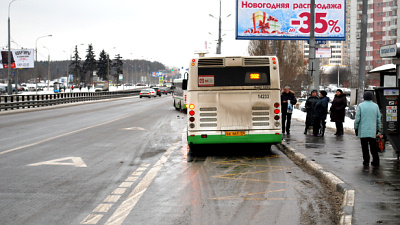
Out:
{"x": 351, "y": 111}
{"x": 158, "y": 91}
{"x": 149, "y": 92}
{"x": 164, "y": 90}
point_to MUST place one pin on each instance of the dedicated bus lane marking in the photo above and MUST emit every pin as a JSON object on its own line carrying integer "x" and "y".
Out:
{"x": 126, "y": 207}
{"x": 76, "y": 161}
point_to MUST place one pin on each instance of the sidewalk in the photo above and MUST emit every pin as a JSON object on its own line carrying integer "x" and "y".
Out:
{"x": 377, "y": 190}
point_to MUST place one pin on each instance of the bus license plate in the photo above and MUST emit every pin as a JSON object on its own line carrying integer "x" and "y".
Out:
{"x": 235, "y": 133}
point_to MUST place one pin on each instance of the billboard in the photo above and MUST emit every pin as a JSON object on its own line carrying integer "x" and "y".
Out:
{"x": 290, "y": 19}
{"x": 20, "y": 58}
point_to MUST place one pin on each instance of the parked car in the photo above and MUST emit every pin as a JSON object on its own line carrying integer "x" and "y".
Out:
{"x": 299, "y": 101}
{"x": 3, "y": 89}
{"x": 302, "y": 106}
{"x": 351, "y": 111}
{"x": 150, "y": 92}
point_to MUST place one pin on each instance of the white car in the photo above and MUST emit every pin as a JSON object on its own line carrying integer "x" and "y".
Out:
{"x": 150, "y": 92}
{"x": 302, "y": 106}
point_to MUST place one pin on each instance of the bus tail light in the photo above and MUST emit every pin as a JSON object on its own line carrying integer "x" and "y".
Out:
{"x": 276, "y": 111}
{"x": 191, "y": 112}
{"x": 191, "y": 106}
{"x": 276, "y": 105}
{"x": 193, "y": 62}
{"x": 185, "y": 98}
{"x": 191, "y": 119}
{"x": 277, "y": 117}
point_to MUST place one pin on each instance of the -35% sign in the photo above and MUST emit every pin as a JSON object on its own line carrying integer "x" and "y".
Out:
{"x": 321, "y": 24}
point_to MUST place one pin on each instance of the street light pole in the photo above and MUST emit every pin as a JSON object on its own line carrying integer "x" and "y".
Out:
{"x": 9, "y": 88}
{"x": 219, "y": 30}
{"x": 48, "y": 69}
{"x": 36, "y": 52}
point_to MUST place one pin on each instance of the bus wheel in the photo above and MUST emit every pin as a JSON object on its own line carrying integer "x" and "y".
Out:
{"x": 191, "y": 153}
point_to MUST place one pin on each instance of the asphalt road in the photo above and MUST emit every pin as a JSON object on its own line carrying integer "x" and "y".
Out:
{"x": 125, "y": 162}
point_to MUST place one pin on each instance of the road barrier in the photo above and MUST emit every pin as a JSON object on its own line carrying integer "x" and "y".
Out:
{"x": 11, "y": 102}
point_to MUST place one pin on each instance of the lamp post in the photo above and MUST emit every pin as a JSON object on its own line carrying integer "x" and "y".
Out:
{"x": 219, "y": 28}
{"x": 36, "y": 58}
{"x": 48, "y": 69}
{"x": 36, "y": 51}
{"x": 9, "y": 88}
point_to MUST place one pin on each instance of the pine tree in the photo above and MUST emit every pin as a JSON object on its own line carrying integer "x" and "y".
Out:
{"x": 117, "y": 66}
{"x": 90, "y": 63}
{"x": 102, "y": 65}
{"x": 76, "y": 66}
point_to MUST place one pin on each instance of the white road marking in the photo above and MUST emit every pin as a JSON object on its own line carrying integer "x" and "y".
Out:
{"x": 102, "y": 208}
{"x": 119, "y": 191}
{"x": 76, "y": 161}
{"x": 131, "y": 179}
{"x": 126, "y": 207}
{"x": 112, "y": 198}
{"x": 92, "y": 219}
{"x": 126, "y": 184}
{"x": 133, "y": 128}
{"x": 137, "y": 173}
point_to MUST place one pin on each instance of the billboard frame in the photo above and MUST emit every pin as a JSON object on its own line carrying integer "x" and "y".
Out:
{"x": 298, "y": 38}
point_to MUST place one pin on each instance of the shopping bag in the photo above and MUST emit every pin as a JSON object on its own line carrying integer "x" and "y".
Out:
{"x": 290, "y": 108}
{"x": 380, "y": 143}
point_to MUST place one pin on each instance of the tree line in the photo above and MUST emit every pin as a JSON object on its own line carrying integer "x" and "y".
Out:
{"x": 133, "y": 70}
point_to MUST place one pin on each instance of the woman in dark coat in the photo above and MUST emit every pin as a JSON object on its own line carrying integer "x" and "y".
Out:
{"x": 310, "y": 104}
{"x": 319, "y": 116}
{"x": 338, "y": 110}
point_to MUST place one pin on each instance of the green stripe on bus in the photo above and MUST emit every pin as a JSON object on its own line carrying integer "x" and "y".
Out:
{"x": 222, "y": 139}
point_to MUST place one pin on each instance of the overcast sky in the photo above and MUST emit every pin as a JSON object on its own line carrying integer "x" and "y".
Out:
{"x": 168, "y": 31}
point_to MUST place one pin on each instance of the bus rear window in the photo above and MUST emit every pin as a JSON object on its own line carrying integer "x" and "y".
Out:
{"x": 233, "y": 76}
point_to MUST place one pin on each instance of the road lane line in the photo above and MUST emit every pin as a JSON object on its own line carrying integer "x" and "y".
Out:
{"x": 126, "y": 207}
{"x": 92, "y": 219}
{"x": 69, "y": 133}
{"x": 111, "y": 199}
{"x": 102, "y": 208}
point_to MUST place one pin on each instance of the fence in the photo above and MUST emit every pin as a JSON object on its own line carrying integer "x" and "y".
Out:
{"x": 10, "y": 102}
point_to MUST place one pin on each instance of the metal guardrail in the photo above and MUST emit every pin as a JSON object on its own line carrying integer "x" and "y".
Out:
{"x": 10, "y": 102}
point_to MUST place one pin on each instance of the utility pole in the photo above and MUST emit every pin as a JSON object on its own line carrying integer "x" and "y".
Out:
{"x": 313, "y": 73}
{"x": 363, "y": 51}
{"x": 9, "y": 87}
{"x": 219, "y": 30}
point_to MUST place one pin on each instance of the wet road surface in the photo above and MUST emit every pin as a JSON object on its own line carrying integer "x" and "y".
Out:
{"x": 377, "y": 189}
{"x": 125, "y": 162}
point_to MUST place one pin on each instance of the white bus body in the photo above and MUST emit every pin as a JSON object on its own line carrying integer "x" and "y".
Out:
{"x": 234, "y": 100}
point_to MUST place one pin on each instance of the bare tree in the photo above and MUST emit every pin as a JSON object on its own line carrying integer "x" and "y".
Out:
{"x": 292, "y": 66}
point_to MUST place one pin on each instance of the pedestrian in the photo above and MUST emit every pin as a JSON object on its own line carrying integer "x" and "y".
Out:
{"x": 338, "y": 110}
{"x": 72, "y": 87}
{"x": 287, "y": 101}
{"x": 366, "y": 126}
{"x": 310, "y": 105}
{"x": 319, "y": 115}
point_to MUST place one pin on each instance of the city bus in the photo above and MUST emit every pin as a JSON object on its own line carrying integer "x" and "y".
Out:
{"x": 234, "y": 100}
{"x": 179, "y": 94}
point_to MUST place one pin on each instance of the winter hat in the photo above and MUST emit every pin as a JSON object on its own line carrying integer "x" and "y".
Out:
{"x": 314, "y": 91}
{"x": 323, "y": 93}
{"x": 368, "y": 95}
{"x": 340, "y": 90}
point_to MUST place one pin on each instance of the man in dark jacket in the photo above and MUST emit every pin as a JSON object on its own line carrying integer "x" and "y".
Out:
{"x": 338, "y": 111}
{"x": 287, "y": 102}
{"x": 310, "y": 104}
{"x": 320, "y": 112}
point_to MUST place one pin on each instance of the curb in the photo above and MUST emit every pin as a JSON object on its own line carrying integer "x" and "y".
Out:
{"x": 335, "y": 183}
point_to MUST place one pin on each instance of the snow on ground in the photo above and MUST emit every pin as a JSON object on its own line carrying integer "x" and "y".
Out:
{"x": 348, "y": 124}
{"x": 76, "y": 90}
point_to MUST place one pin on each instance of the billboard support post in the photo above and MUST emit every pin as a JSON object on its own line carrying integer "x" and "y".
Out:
{"x": 363, "y": 51}
{"x": 313, "y": 75}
